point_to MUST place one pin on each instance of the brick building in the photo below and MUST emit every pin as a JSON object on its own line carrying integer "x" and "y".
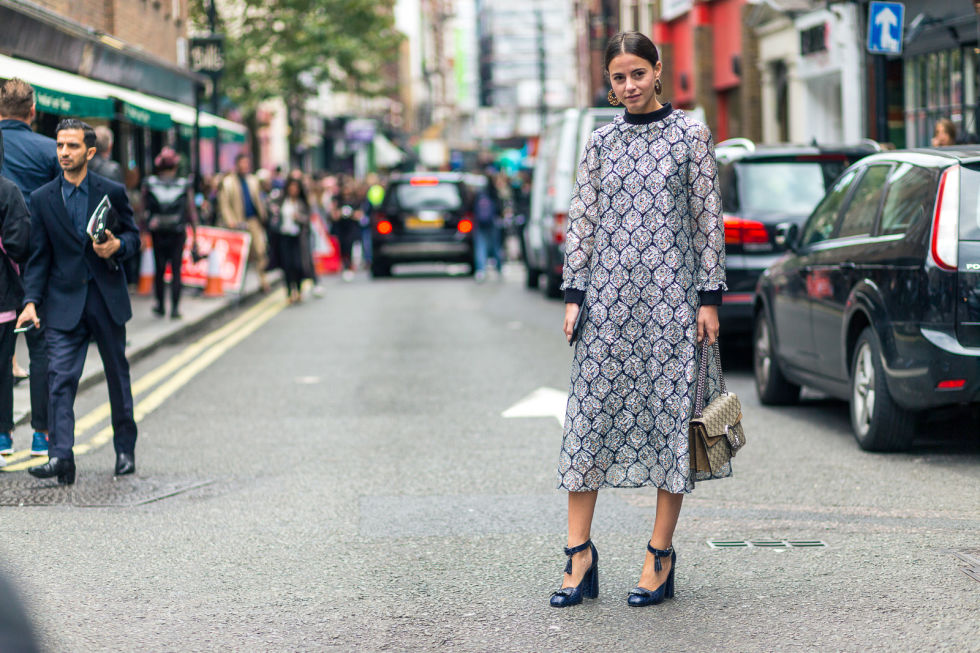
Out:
{"x": 157, "y": 27}
{"x": 118, "y": 63}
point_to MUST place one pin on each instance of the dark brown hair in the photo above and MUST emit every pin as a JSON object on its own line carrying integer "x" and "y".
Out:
{"x": 630, "y": 43}
{"x": 947, "y": 126}
{"x": 16, "y": 99}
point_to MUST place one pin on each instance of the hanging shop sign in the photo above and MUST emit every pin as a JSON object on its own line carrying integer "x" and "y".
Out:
{"x": 206, "y": 55}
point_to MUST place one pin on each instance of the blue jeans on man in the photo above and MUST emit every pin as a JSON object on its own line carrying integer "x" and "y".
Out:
{"x": 486, "y": 245}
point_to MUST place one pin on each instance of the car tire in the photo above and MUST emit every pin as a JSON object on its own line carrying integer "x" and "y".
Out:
{"x": 380, "y": 268}
{"x": 773, "y": 388}
{"x": 879, "y": 423}
{"x": 533, "y": 278}
{"x": 553, "y": 285}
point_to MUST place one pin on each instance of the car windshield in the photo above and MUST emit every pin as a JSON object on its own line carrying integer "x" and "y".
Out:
{"x": 435, "y": 196}
{"x": 785, "y": 187}
{"x": 970, "y": 203}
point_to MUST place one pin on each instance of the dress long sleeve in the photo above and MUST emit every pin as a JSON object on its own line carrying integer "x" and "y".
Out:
{"x": 709, "y": 225}
{"x": 583, "y": 215}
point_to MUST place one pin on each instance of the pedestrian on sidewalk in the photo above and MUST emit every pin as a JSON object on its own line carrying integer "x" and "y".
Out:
{"x": 95, "y": 305}
{"x": 291, "y": 220}
{"x": 241, "y": 206}
{"x": 30, "y": 160}
{"x": 102, "y": 163}
{"x": 650, "y": 279}
{"x": 168, "y": 202}
{"x": 15, "y": 230}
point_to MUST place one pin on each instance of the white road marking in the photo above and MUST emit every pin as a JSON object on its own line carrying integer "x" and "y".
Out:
{"x": 543, "y": 402}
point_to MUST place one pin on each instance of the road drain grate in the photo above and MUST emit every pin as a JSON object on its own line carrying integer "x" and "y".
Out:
{"x": 765, "y": 544}
{"x": 92, "y": 490}
{"x": 972, "y": 563}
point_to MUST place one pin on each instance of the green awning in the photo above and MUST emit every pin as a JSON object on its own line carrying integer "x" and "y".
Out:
{"x": 146, "y": 118}
{"x": 207, "y": 132}
{"x": 69, "y": 104}
{"x": 228, "y": 136}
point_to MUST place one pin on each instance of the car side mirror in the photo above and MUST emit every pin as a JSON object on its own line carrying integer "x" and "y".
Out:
{"x": 786, "y": 234}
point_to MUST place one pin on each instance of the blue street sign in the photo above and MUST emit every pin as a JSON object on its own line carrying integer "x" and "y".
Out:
{"x": 886, "y": 22}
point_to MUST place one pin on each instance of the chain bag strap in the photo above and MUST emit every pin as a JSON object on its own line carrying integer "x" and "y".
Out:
{"x": 715, "y": 432}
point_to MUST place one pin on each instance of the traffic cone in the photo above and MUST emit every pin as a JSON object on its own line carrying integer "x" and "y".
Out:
{"x": 214, "y": 286}
{"x": 147, "y": 268}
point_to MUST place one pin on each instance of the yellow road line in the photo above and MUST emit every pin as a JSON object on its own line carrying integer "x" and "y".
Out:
{"x": 183, "y": 367}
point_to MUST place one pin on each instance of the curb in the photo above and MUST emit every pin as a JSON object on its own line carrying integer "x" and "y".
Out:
{"x": 227, "y": 305}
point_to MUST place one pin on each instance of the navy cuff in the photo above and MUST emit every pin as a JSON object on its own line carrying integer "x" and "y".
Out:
{"x": 574, "y": 296}
{"x": 711, "y": 297}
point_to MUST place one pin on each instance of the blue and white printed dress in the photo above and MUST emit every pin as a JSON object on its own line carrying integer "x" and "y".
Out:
{"x": 645, "y": 243}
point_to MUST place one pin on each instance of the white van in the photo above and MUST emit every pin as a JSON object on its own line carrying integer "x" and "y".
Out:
{"x": 560, "y": 150}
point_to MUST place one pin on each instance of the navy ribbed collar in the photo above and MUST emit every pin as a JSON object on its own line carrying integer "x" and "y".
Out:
{"x": 647, "y": 118}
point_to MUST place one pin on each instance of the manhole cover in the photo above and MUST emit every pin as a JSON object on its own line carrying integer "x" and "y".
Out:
{"x": 91, "y": 491}
{"x": 971, "y": 563}
{"x": 765, "y": 544}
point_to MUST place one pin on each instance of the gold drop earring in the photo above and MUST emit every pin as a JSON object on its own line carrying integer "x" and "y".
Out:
{"x": 613, "y": 100}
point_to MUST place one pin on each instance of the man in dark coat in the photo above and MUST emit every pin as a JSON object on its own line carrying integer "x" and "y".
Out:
{"x": 102, "y": 163}
{"x": 79, "y": 288}
{"x": 15, "y": 229}
{"x": 30, "y": 160}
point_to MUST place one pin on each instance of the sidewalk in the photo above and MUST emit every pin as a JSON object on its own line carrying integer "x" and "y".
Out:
{"x": 145, "y": 332}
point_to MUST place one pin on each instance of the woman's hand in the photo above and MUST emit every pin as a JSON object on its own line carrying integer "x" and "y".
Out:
{"x": 708, "y": 324}
{"x": 571, "y": 313}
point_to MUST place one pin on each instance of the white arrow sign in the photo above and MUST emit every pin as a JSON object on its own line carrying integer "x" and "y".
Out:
{"x": 886, "y": 20}
{"x": 543, "y": 402}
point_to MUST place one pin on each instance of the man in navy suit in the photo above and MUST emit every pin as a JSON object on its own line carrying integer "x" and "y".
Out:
{"x": 78, "y": 288}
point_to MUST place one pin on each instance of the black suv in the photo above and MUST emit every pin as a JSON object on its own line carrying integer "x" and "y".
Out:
{"x": 878, "y": 302}
{"x": 762, "y": 186}
{"x": 425, "y": 217}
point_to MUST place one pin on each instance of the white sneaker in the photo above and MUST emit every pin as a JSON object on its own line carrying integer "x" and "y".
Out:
{"x": 319, "y": 291}
{"x": 347, "y": 275}
{"x": 480, "y": 276}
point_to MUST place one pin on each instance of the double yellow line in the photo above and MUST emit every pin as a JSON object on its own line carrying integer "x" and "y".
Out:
{"x": 166, "y": 379}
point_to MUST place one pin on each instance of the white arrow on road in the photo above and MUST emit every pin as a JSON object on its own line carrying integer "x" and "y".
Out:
{"x": 886, "y": 20}
{"x": 543, "y": 402}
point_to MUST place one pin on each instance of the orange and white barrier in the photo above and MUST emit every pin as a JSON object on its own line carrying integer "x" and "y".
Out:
{"x": 147, "y": 267}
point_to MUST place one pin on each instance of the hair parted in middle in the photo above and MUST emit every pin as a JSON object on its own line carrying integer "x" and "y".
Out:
{"x": 75, "y": 123}
{"x": 630, "y": 43}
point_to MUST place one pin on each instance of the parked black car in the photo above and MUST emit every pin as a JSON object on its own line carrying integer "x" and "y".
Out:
{"x": 425, "y": 217}
{"x": 762, "y": 186}
{"x": 878, "y": 301}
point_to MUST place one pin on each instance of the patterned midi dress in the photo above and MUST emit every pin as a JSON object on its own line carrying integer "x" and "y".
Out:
{"x": 645, "y": 241}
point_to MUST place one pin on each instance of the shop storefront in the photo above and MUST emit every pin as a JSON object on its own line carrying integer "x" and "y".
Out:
{"x": 142, "y": 123}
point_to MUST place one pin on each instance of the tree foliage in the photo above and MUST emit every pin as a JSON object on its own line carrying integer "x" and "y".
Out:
{"x": 287, "y": 48}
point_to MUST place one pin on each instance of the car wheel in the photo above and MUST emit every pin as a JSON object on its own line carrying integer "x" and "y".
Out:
{"x": 380, "y": 268}
{"x": 533, "y": 277}
{"x": 879, "y": 423}
{"x": 772, "y": 387}
{"x": 553, "y": 285}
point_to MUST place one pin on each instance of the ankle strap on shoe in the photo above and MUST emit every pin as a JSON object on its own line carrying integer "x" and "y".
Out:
{"x": 572, "y": 551}
{"x": 658, "y": 554}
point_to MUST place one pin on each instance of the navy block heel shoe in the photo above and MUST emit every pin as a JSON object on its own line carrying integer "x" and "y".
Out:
{"x": 640, "y": 596}
{"x": 588, "y": 588}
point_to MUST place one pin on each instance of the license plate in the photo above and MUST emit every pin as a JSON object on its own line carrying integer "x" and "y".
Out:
{"x": 424, "y": 222}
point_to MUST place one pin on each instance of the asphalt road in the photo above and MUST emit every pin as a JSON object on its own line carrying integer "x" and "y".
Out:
{"x": 343, "y": 479}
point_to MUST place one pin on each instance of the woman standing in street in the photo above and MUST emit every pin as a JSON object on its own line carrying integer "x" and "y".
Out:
{"x": 645, "y": 258}
{"x": 292, "y": 223}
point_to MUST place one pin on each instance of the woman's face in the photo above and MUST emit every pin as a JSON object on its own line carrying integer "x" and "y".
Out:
{"x": 632, "y": 80}
{"x": 292, "y": 189}
{"x": 941, "y": 137}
